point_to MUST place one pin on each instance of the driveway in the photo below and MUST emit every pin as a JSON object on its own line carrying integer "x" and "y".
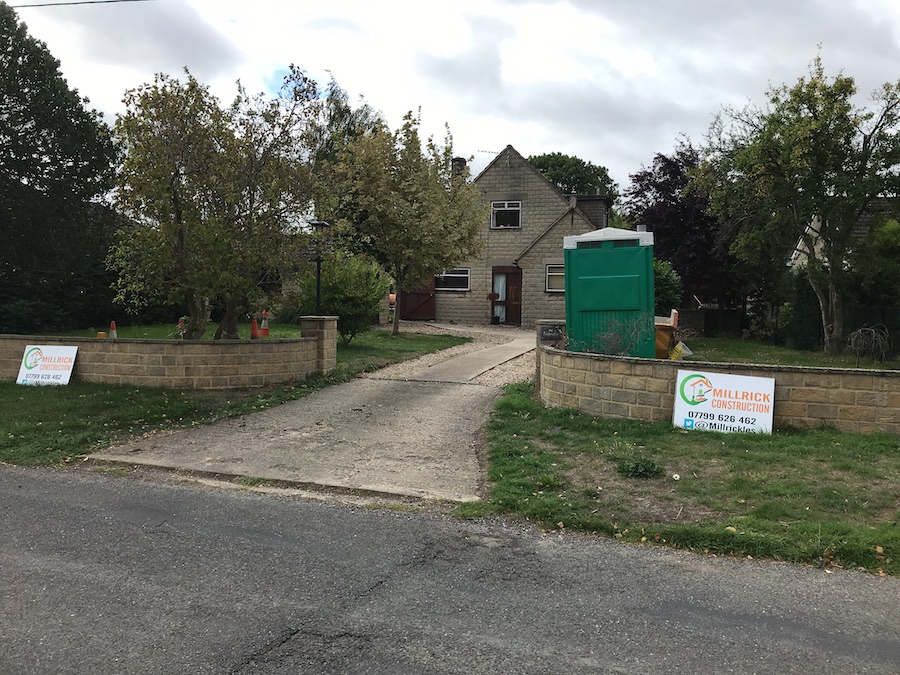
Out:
{"x": 411, "y": 430}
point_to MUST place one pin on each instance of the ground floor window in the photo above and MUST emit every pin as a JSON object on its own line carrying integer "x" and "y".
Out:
{"x": 556, "y": 279}
{"x": 453, "y": 280}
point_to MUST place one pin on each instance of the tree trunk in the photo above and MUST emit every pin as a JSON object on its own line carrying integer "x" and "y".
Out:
{"x": 832, "y": 329}
{"x": 228, "y": 326}
{"x": 837, "y": 318}
{"x": 198, "y": 317}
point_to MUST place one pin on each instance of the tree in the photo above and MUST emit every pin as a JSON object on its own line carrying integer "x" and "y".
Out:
{"x": 805, "y": 169}
{"x": 878, "y": 261}
{"x": 875, "y": 287}
{"x": 575, "y": 175}
{"x": 661, "y": 198}
{"x": 667, "y": 287}
{"x": 406, "y": 207}
{"x": 352, "y": 288}
{"x": 217, "y": 194}
{"x": 337, "y": 125}
{"x": 56, "y": 160}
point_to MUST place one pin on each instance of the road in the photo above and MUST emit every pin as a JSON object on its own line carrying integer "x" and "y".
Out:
{"x": 105, "y": 574}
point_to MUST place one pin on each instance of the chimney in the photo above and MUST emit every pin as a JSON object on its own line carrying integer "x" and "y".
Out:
{"x": 642, "y": 227}
{"x": 458, "y": 165}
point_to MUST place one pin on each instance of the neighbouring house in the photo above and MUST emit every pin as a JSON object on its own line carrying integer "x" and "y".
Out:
{"x": 519, "y": 277}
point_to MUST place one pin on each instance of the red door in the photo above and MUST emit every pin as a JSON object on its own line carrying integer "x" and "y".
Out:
{"x": 507, "y": 288}
{"x": 418, "y": 305}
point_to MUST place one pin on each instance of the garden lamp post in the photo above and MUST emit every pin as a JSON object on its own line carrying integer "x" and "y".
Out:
{"x": 318, "y": 226}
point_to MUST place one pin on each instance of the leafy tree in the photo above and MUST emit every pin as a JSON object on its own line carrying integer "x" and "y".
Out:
{"x": 667, "y": 287}
{"x": 56, "y": 160}
{"x": 878, "y": 261}
{"x": 405, "y": 206}
{"x": 338, "y": 123}
{"x": 875, "y": 282}
{"x": 806, "y": 168}
{"x": 575, "y": 175}
{"x": 217, "y": 193}
{"x": 662, "y": 199}
{"x": 352, "y": 288}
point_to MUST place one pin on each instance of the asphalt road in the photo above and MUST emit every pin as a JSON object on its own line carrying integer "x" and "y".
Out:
{"x": 104, "y": 574}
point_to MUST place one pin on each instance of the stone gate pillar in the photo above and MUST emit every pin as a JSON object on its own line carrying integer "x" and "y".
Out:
{"x": 324, "y": 329}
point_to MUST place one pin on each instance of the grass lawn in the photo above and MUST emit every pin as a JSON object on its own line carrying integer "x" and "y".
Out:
{"x": 164, "y": 332}
{"x": 50, "y": 425}
{"x": 819, "y": 497}
{"x": 728, "y": 350}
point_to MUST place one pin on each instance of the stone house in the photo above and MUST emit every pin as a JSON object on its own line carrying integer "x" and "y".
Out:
{"x": 519, "y": 276}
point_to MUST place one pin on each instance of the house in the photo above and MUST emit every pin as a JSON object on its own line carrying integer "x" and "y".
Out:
{"x": 519, "y": 277}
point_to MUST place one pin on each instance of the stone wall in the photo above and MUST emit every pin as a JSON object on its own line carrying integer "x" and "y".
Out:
{"x": 860, "y": 401}
{"x": 190, "y": 364}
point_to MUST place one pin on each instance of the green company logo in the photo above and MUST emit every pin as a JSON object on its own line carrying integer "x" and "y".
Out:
{"x": 694, "y": 389}
{"x": 33, "y": 358}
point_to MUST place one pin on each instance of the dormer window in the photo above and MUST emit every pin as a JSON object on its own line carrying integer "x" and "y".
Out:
{"x": 506, "y": 215}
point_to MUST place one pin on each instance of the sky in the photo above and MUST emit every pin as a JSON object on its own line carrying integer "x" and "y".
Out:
{"x": 611, "y": 81}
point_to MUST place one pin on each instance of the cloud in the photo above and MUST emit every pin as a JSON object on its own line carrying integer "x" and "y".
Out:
{"x": 162, "y": 37}
{"x": 475, "y": 74}
{"x": 335, "y": 23}
{"x": 612, "y": 82}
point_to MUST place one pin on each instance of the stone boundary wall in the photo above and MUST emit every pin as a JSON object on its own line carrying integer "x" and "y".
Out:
{"x": 190, "y": 364}
{"x": 860, "y": 401}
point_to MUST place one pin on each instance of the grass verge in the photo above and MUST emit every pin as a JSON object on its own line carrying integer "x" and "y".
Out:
{"x": 818, "y": 497}
{"x": 51, "y": 425}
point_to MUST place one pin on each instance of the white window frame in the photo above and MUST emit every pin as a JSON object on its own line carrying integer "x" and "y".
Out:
{"x": 559, "y": 270}
{"x": 506, "y": 207}
{"x": 459, "y": 273}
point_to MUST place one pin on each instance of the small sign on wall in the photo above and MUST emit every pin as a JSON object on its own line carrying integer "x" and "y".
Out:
{"x": 46, "y": 365}
{"x": 551, "y": 332}
{"x": 720, "y": 402}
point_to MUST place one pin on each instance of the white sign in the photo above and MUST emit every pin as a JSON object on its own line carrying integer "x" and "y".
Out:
{"x": 47, "y": 365}
{"x": 719, "y": 402}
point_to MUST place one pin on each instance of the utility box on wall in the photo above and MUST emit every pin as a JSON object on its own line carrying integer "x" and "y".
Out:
{"x": 609, "y": 292}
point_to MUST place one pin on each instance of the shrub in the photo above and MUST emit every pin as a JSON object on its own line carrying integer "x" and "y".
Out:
{"x": 352, "y": 289}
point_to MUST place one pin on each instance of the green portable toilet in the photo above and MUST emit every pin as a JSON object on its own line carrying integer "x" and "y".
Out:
{"x": 609, "y": 292}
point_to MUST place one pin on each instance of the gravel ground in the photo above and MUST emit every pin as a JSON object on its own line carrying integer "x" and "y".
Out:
{"x": 518, "y": 369}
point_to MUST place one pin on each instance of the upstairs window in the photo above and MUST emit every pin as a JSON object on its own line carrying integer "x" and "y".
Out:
{"x": 452, "y": 280}
{"x": 506, "y": 215}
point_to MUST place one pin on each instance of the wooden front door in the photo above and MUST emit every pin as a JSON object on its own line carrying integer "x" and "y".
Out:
{"x": 507, "y": 287}
{"x": 418, "y": 305}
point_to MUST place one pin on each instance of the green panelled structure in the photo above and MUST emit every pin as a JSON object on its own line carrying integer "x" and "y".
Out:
{"x": 609, "y": 292}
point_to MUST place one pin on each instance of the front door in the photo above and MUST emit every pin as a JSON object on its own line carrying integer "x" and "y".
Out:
{"x": 507, "y": 287}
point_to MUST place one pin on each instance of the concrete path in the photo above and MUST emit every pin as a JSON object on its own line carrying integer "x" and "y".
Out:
{"x": 414, "y": 436}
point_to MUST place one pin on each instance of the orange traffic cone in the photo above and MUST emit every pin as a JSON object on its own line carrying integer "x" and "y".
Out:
{"x": 112, "y": 330}
{"x": 254, "y": 330}
{"x": 264, "y": 329}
